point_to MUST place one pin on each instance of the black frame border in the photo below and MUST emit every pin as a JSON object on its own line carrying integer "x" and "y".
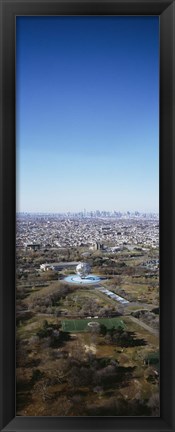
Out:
{"x": 9, "y": 9}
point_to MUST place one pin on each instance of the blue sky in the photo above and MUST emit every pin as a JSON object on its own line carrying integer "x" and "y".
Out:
{"x": 87, "y": 113}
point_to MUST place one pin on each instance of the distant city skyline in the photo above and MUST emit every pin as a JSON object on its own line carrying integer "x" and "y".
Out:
{"x": 94, "y": 213}
{"x": 87, "y": 114}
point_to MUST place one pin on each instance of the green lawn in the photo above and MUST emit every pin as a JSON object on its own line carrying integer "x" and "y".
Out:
{"x": 81, "y": 325}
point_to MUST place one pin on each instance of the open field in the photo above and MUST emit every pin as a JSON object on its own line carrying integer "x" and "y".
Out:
{"x": 81, "y": 325}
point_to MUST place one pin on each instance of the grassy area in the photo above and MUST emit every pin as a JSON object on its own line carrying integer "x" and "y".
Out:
{"x": 81, "y": 325}
{"x": 152, "y": 340}
{"x": 90, "y": 369}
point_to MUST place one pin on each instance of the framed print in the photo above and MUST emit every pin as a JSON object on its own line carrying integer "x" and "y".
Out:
{"x": 87, "y": 211}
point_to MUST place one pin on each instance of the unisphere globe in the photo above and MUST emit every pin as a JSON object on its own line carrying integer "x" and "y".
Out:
{"x": 83, "y": 269}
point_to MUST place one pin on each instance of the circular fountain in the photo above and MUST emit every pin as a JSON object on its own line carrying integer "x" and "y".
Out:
{"x": 83, "y": 275}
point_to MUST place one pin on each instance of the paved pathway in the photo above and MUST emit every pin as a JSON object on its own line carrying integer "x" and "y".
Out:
{"x": 155, "y": 332}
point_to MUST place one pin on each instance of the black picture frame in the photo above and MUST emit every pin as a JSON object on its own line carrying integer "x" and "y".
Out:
{"x": 165, "y": 9}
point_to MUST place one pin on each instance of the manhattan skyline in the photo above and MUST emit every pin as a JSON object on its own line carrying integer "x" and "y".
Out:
{"x": 87, "y": 113}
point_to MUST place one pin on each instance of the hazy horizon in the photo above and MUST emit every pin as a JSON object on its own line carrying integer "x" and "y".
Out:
{"x": 89, "y": 211}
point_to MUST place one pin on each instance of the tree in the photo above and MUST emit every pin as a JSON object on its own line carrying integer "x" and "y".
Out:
{"x": 103, "y": 329}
